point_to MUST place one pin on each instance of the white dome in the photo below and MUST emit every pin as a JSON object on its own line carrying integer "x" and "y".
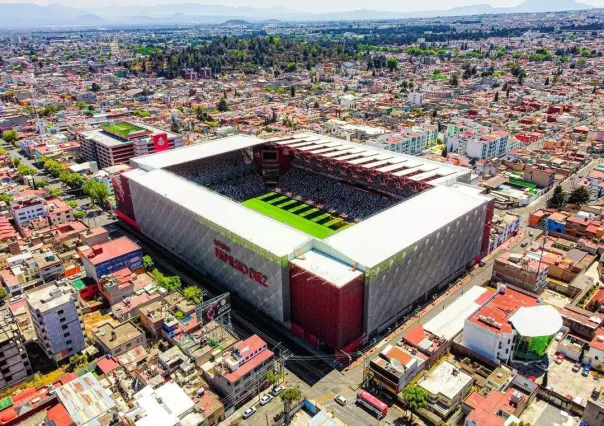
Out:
{"x": 537, "y": 321}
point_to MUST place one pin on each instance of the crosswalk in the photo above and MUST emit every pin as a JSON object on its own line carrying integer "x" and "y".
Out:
{"x": 325, "y": 398}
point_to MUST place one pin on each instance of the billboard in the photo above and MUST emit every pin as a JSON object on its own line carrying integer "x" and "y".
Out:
{"x": 214, "y": 308}
{"x": 160, "y": 141}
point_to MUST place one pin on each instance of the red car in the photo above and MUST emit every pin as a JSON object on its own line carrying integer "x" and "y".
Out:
{"x": 560, "y": 358}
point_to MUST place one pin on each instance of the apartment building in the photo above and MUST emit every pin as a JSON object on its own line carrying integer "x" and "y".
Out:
{"x": 110, "y": 148}
{"x": 540, "y": 175}
{"x": 504, "y": 227}
{"x": 56, "y": 319}
{"x": 520, "y": 271}
{"x": 14, "y": 363}
{"x": 27, "y": 208}
{"x": 58, "y": 211}
{"x": 407, "y": 140}
{"x": 243, "y": 369}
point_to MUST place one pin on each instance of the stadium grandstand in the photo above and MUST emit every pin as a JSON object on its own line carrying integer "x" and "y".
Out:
{"x": 333, "y": 239}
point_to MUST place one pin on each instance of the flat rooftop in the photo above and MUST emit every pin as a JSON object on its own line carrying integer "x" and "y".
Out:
{"x": 124, "y": 333}
{"x": 446, "y": 379}
{"x": 110, "y": 250}
{"x": 50, "y": 297}
{"x": 332, "y": 270}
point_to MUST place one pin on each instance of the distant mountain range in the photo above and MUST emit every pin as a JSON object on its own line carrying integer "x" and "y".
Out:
{"x": 23, "y": 15}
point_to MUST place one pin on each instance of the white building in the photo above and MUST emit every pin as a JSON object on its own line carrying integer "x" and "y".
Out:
{"x": 56, "y": 320}
{"x": 106, "y": 175}
{"x": 27, "y": 209}
{"x": 408, "y": 140}
{"x": 348, "y": 101}
{"x": 167, "y": 405}
{"x": 447, "y": 386}
{"x": 415, "y": 98}
{"x": 503, "y": 329}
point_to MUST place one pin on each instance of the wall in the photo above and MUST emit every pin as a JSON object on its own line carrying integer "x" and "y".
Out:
{"x": 180, "y": 231}
{"x": 333, "y": 314}
{"x": 437, "y": 260}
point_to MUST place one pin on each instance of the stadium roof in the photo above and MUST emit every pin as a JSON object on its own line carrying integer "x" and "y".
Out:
{"x": 269, "y": 234}
{"x": 195, "y": 152}
{"x": 330, "y": 269}
{"x": 537, "y": 321}
{"x": 391, "y": 231}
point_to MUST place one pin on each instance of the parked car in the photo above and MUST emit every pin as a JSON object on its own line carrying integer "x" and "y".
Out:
{"x": 266, "y": 399}
{"x": 524, "y": 244}
{"x": 560, "y": 358}
{"x": 16, "y": 298}
{"x": 531, "y": 233}
{"x": 585, "y": 371}
{"x": 277, "y": 390}
{"x": 340, "y": 400}
{"x": 249, "y": 412}
{"x": 481, "y": 263}
{"x": 576, "y": 368}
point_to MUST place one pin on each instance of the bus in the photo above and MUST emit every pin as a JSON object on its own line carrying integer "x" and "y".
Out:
{"x": 373, "y": 404}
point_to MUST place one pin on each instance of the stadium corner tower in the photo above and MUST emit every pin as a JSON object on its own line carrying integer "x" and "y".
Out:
{"x": 334, "y": 239}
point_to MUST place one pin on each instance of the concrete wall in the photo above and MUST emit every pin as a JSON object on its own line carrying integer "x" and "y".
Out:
{"x": 437, "y": 260}
{"x": 229, "y": 263}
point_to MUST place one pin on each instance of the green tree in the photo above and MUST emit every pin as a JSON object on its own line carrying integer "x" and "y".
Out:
{"x": 95, "y": 87}
{"x": 72, "y": 203}
{"x": 392, "y": 64}
{"x": 179, "y": 315}
{"x": 445, "y": 151}
{"x": 79, "y": 214}
{"x": 10, "y": 136}
{"x": 16, "y": 161}
{"x": 97, "y": 191}
{"x": 41, "y": 183}
{"x": 54, "y": 192}
{"x": 3, "y": 293}
{"x": 496, "y": 96}
{"x": 78, "y": 361}
{"x": 148, "y": 262}
{"x": 454, "y": 80}
{"x": 275, "y": 377}
{"x": 193, "y": 293}
{"x": 223, "y": 105}
{"x": 415, "y": 398}
{"x": 72, "y": 180}
{"x": 557, "y": 200}
{"x": 579, "y": 196}
{"x": 290, "y": 397}
{"x": 7, "y": 198}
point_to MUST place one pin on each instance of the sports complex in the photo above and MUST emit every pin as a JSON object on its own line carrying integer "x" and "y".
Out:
{"x": 333, "y": 239}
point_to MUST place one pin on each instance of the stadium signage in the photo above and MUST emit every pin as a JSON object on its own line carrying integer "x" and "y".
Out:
{"x": 221, "y": 250}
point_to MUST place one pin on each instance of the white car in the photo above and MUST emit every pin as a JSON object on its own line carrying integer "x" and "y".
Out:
{"x": 340, "y": 400}
{"x": 266, "y": 399}
{"x": 249, "y": 412}
{"x": 277, "y": 390}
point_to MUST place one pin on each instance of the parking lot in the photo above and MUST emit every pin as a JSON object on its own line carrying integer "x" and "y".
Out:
{"x": 566, "y": 382}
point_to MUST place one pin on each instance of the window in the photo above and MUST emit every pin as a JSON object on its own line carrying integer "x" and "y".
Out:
{"x": 68, "y": 342}
{"x": 63, "y": 327}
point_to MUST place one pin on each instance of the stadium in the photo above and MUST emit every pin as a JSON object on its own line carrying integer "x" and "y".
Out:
{"x": 333, "y": 239}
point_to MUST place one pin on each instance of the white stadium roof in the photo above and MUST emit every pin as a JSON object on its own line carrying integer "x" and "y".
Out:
{"x": 537, "y": 321}
{"x": 195, "y": 152}
{"x": 267, "y": 233}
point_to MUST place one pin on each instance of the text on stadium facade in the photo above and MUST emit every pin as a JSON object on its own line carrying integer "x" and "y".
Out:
{"x": 221, "y": 251}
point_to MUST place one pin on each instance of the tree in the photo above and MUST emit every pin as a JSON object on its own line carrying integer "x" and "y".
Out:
{"x": 148, "y": 262}
{"x": 3, "y": 293}
{"x": 54, "y": 192}
{"x": 546, "y": 81}
{"x": 72, "y": 180}
{"x": 557, "y": 200}
{"x": 193, "y": 293}
{"x": 454, "y": 80}
{"x": 223, "y": 105}
{"x": 72, "y": 203}
{"x": 274, "y": 377}
{"x": 445, "y": 151}
{"x": 179, "y": 315}
{"x": 26, "y": 171}
{"x": 97, "y": 191}
{"x": 16, "y": 161}
{"x": 415, "y": 398}
{"x": 292, "y": 91}
{"x": 95, "y": 87}
{"x": 544, "y": 380}
{"x": 579, "y": 196}
{"x": 290, "y": 398}
{"x": 316, "y": 105}
{"x": 496, "y": 96}
{"x": 78, "y": 361}
{"x": 41, "y": 183}
{"x": 392, "y": 64}
{"x": 79, "y": 214}
{"x": 10, "y": 136}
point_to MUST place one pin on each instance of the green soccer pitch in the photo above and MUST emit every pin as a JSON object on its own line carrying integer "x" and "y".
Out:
{"x": 297, "y": 214}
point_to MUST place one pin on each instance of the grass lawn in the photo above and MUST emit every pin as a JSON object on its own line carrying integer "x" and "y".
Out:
{"x": 123, "y": 129}
{"x": 305, "y": 225}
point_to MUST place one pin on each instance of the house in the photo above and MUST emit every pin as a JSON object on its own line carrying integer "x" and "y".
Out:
{"x": 447, "y": 386}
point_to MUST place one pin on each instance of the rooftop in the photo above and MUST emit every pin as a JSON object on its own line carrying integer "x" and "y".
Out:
{"x": 110, "y": 250}
{"x": 114, "y": 336}
{"x": 49, "y": 297}
{"x": 446, "y": 379}
{"x": 326, "y": 267}
{"x": 85, "y": 400}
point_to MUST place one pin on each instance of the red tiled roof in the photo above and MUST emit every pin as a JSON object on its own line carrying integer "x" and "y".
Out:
{"x": 59, "y": 415}
{"x": 485, "y": 409}
{"x": 415, "y": 335}
{"x": 107, "y": 365}
{"x": 501, "y": 308}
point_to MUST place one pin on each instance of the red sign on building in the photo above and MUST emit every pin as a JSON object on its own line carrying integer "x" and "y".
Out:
{"x": 160, "y": 141}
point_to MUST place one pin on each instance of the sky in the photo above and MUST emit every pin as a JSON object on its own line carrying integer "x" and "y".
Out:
{"x": 316, "y": 6}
